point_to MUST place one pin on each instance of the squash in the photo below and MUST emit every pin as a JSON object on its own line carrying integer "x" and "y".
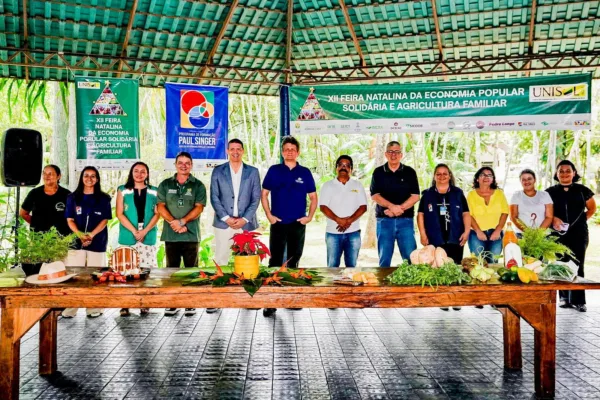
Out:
{"x": 440, "y": 257}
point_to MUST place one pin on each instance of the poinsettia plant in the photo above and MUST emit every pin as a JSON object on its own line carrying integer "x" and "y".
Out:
{"x": 248, "y": 244}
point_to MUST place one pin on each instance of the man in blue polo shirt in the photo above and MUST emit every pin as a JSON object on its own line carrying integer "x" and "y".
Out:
{"x": 288, "y": 183}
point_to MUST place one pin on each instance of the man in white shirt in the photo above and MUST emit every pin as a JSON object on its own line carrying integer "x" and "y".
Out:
{"x": 343, "y": 201}
{"x": 235, "y": 196}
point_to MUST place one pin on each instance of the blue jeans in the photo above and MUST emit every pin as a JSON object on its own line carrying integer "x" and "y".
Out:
{"x": 390, "y": 230}
{"x": 477, "y": 246}
{"x": 347, "y": 243}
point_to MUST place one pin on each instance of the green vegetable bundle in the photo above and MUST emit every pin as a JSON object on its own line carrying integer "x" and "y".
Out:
{"x": 538, "y": 243}
{"x": 424, "y": 274}
{"x": 558, "y": 272}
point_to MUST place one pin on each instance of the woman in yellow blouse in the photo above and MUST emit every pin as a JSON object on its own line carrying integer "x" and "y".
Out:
{"x": 489, "y": 211}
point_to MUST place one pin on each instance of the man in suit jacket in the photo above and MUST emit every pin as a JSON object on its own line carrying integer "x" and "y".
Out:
{"x": 235, "y": 196}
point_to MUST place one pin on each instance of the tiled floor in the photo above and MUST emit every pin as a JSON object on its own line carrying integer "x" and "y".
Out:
{"x": 307, "y": 354}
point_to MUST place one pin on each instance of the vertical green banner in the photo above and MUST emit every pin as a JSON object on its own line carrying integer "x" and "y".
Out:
{"x": 107, "y": 122}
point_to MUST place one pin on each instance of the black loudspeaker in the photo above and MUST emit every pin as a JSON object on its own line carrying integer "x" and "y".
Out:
{"x": 21, "y": 157}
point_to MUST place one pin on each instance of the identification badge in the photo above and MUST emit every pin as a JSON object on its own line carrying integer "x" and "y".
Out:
{"x": 180, "y": 202}
{"x": 78, "y": 210}
{"x": 443, "y": 210}
{"x": 430, "y": 207}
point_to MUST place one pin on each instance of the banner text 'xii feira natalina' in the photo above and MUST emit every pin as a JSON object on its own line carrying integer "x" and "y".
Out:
{"x": 554, "y": 102}
{"x": 107, "y": 122}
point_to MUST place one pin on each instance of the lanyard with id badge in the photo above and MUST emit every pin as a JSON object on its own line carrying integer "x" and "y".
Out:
{"x": 180, "y": 192}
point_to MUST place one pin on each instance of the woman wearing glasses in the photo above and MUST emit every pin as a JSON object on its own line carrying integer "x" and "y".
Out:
{"x": 489, "y": 211}
{"x": 530, "y": 207}
{"x": 88, "y": 211}
{"x": 444, "y": 220}
{"x": 574, "y": 204}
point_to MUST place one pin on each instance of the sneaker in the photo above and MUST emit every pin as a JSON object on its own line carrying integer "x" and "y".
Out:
{"x": 267, "y": 312}
{"x": 445, "y": 308}
{"x": 124, "y": 312}
{"x": 211, "y": 310}
{"x": 456, "y": 308}
{"x": 566, "y": 304}
{"x": 144, "y": 311}
{"x": 94, "y": 314}
{"x": 580, "y": 307}
{"x": 169, "y": 312}
{"x": 478, "y": 306}
{"x": 190, "y": 311}
{"x": 69, "y": 312}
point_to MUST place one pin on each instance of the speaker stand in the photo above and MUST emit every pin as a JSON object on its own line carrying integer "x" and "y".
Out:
{"x": 16, "y": 227}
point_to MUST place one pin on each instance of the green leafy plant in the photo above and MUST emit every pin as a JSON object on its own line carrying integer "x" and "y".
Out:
{"x": 424, "y": 274}
{"x": 205, "y": 251}
{"x": 539, "y": 244}
{"x": 43, "y": 247}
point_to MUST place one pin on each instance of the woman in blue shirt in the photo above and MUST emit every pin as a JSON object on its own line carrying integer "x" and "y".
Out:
{"x": 88, "y": 211}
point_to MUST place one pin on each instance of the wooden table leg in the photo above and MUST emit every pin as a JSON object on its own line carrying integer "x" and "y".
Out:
{"x": 48, "y": 340}
{"x": 542, "y": 317}
{"x": 10, "y": 346}
{"x": 545, "y": 352}
{"x": 511, "y": 324}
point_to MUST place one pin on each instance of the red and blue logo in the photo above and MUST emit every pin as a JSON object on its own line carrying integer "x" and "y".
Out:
{"x": 197, "y": 109}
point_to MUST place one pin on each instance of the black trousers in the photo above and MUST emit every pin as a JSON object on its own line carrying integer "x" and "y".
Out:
{"x": 175, "y": 251}
{"x": 286, "y": 241}
{"x": 454, "y": 251}
{"x": 578, "y": 243}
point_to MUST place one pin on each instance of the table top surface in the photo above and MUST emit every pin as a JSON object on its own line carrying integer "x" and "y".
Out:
{"x": 160, "y": 281}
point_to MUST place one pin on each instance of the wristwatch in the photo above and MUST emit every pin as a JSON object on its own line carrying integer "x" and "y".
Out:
{"x": 181, "y": 223}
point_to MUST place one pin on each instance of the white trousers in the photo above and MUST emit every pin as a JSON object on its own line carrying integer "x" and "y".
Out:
{"x": 223, "y": 244}
{"x": 84, "y": 258}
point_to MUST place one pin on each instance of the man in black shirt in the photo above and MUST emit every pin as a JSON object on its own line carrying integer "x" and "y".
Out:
{"x": 395, "y": 189}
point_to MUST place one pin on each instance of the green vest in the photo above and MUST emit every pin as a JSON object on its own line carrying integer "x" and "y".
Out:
{"x": 130, "y": 212}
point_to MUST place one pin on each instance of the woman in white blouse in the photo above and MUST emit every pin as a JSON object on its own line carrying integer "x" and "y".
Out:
{"x": 530, "y": 207}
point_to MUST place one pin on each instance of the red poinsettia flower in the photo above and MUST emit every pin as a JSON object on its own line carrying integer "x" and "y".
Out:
{"x": 248, "y": 244}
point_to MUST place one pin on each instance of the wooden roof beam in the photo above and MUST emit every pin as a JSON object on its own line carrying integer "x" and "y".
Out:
{"x": 288, "y": 41}
{"x": 26, "y": 37}
{"x": 531, "y": 34}
{"x": 438, "y": 36}
{"x": 219, "y": 37}
{"x": 363, "y": 63}
{"x": 127, "y": 34}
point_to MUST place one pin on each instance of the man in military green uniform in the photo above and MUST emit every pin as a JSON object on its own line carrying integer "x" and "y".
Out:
{"x": 181, "y": 200}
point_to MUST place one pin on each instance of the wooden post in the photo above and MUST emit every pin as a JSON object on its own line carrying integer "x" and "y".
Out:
{"x": 545, "y": 352}
{"x": 10, "y": 346}
{"x": 48, "y": 340}
{"x": 511, "y": 327}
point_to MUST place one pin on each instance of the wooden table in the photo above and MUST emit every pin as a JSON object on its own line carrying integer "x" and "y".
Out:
{"x": 22, "y": 305}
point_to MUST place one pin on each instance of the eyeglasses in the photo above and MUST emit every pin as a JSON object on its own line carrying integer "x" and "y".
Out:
{"x": 486, "y": 176}
{"x": 394, "y": 152}
{"x": 346, "y": 165}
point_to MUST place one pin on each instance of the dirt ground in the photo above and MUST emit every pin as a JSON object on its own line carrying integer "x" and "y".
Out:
{"x": 315, "y": 252}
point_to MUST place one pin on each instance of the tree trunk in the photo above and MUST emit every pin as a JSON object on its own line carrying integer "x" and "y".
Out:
{"x": 60, "y": 145}
{"x": 370, "y": 239}
{"x": 536, "y": 155}
{"x": 551, "y": 156}
{"x": 72, "y": 139}
{"x": 589, "y": 173}
{"x": 445, "y": 142}
{"x": 478, "y": 149}
{"x": 511, "y": 152}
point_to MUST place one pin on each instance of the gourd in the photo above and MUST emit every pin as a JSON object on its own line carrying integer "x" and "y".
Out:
{"x": 436, "y": 257}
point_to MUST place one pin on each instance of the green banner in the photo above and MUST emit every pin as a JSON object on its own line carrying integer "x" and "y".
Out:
{"x": 107, "y": 122}
{"x": 553, "y": 102}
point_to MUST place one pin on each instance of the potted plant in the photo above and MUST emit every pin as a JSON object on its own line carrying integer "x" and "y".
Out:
{"x": 36, "y": 248}
{"x": 248, "y": 251}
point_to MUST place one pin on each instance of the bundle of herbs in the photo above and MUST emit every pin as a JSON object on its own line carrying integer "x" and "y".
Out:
{"x": 539, "y": 244}
{"x": 424, "y": 274}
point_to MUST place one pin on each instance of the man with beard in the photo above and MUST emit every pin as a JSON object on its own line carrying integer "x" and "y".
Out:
{"x": 343, "y": 201}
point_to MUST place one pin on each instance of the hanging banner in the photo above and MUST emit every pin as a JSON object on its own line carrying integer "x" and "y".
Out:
{"x": 553, "y": 102}
{"x": 107, "y": 122}
{"x": 197, "y": 123}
